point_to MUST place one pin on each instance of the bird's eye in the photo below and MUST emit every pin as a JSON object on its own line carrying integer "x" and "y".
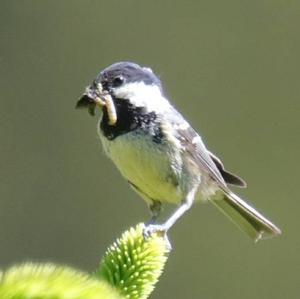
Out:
{"x": 118, "y": 81}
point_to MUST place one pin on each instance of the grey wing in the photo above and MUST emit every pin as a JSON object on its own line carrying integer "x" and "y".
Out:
{"x": 229, "y": 177}
{"x": 194, "y": 145}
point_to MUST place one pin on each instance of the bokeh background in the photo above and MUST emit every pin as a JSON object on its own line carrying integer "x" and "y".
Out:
{"x": 231, "y": 67}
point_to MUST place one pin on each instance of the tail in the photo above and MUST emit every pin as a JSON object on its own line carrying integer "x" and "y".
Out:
{"x": 255, "y": 225}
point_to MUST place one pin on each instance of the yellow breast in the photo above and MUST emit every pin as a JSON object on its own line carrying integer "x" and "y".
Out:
{"x": 147, "y": 165}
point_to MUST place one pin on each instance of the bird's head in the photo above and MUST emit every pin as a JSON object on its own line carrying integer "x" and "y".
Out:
{"x": 124, "y": 81}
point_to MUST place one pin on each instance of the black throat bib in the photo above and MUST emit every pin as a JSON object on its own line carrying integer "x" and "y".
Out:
{"x": 130, "y": 118}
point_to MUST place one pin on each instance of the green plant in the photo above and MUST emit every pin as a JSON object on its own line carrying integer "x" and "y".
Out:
{"x": 129, "y": 269}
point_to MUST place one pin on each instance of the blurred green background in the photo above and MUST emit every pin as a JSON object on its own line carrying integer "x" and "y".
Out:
{"x": 231, "y": 67}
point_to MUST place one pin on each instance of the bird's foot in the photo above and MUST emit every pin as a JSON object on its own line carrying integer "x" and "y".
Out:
{"x": 160, "y": 230}
{"x": 150, "y": 229}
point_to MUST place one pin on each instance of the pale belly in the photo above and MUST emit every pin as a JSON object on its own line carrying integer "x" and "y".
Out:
{"x": 147, "y": 165}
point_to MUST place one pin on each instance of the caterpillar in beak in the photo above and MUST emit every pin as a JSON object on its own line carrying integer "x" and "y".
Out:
{"x": 110, "y": 106}
{"x": 86, "y": 101}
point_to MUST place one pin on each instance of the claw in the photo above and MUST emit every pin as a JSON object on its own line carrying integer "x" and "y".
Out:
{"x": 160, "y": 230}
{"x": 154, "y": 228}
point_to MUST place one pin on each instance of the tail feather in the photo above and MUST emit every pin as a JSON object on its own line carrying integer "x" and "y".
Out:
{"x": 255, "y": 225}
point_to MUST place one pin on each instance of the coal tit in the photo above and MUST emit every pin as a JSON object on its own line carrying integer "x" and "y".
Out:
{"x": 160, "y": 155}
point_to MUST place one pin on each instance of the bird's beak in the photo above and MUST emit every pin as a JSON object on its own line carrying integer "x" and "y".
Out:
{"x": 91, "y": 98}
{"x": 97, "y": 97}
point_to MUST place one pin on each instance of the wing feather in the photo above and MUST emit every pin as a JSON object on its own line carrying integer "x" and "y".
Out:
{"x": 206, "y": 160}
{"x": 193, "y": 144}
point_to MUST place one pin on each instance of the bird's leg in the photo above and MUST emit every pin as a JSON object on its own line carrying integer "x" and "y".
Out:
{"x": 163, "y": 228}
{"x": 155, "y": 210}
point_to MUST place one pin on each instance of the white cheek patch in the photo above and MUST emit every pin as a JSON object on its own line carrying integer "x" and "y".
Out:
{"x": 143, "y": 95}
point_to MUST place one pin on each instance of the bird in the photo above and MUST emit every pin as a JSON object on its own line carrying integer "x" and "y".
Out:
{"x": 159, "y": 153}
